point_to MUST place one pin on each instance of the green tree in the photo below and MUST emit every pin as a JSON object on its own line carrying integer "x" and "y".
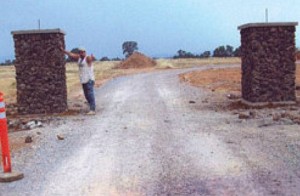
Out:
{"x": 129, "y": 47}
{"x": 184, "y": 54}
{"x": 205, "y": 54}
{"x": 237, "y": 52}
{"x": 223, "y": 51}
{"x": 116, "y": 59}
{"x": 105, "y": 58}
{"x": 181, "y": 53}
{"x": 220, "y": 52}
{"x": 8, "y": 62}
{"x": 229, "y": 51}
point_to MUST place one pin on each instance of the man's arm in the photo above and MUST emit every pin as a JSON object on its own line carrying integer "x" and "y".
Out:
{"x": 90, "y": 59}
{"x": 70, "y": 54}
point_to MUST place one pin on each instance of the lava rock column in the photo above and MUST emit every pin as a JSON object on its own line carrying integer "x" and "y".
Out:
{"x": 40, "y": 71}
{"x": 268, "y": 62}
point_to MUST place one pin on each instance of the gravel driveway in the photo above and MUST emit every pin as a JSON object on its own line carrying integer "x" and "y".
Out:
{"x": 155, "y": 136}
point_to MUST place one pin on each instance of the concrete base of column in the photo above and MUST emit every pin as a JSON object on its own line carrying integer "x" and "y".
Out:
{"x": 11, "y": 176}
{"x": 262, "y": 104}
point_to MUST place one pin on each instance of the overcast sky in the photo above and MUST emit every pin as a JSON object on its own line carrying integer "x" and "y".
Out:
{"x": 161, "y": 27}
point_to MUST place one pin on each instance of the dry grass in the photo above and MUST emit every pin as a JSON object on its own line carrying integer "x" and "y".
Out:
{"x": 103, "y": 72}
{"x": 221, "y": 80}
{"x": 187, "y": 63}
{"x": 8, "y": 82}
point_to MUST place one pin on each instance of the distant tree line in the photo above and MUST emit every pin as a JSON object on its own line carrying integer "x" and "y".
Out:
{"x": 129, "y": 47}
{"x": 108, "y": 59}
{"x": 7, "y": 62}
{"x": 221, "y": 51}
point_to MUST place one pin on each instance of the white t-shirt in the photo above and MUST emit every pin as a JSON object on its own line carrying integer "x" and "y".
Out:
{"x": 86, "y": 72}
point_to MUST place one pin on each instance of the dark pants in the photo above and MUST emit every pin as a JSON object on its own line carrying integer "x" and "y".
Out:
{"x": 88, "y": 89}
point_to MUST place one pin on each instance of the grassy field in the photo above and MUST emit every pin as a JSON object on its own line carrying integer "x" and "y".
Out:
{"x": 8, "y": 82}
{"x": 221, "y": 80}
{"x": 186, "y": 63}
{"x": 103, "y": 72}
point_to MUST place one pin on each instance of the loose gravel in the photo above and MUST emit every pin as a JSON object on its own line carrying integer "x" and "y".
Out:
{"x": 153, "y": 135}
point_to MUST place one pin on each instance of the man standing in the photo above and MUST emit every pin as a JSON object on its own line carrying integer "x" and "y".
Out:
{"x": 86, "y": 75}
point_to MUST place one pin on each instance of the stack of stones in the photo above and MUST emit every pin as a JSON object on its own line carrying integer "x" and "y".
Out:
{"x": 40, "y": 71}
{"x": 268, "y": 62}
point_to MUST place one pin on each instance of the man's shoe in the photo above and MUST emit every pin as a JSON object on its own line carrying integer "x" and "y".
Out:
{"x": 91, "y": 112}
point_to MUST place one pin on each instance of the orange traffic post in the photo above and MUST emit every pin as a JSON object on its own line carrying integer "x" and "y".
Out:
{"x": 7, "y": 175}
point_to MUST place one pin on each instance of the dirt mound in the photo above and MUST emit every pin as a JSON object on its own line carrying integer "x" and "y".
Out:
{"x": 137, "y": 60}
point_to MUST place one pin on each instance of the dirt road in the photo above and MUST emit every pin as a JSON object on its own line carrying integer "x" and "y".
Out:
{"x": 155, "y": 136}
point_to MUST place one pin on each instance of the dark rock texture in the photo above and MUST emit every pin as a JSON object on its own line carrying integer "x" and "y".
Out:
{"x": 40, "y": 71}
{"x": 268, "y": 62}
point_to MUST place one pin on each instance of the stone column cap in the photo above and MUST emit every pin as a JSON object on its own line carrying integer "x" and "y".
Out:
{"x": 37, "y": 31}
{"x": 267, "y": 24}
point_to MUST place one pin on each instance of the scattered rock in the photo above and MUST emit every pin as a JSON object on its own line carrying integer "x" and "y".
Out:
{"x": 252, "y": 114}
{"x": 294, "y": 108}
{"x": 60, "y": 137}
{"x": 265, "y": 123}
{"x": 276, "y": 117}
{"x": 244, "y": 115}
{"x": 32, "y": 124}
{"x": 297, "y": 121}
{"x": 192, "y": 102}
{"x": 230, "y": 142}
{"x": 205, "y": 101}
{"x": 233, "y": 96}
{"x": 286, "y": 118}
{"x": 286, "y": 121}
{"x": 11, "y": 124}
{"x": 28, "y": 139}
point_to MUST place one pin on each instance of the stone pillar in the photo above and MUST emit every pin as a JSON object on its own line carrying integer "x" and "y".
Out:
{"x": 40, "y": 71}
{"x": 268, "y": 63}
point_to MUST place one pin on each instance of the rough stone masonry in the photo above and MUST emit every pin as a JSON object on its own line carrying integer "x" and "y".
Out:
{"x": 40, "y": 71}
{"x": 268, "y": 62}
